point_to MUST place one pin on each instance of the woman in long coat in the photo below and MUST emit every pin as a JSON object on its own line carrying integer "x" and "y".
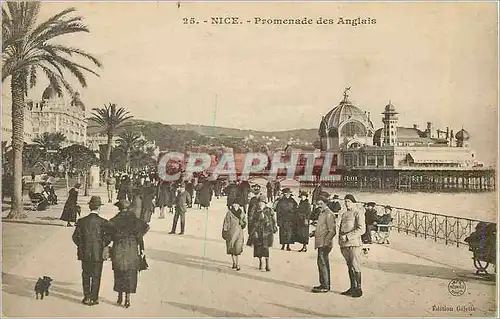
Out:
{"x": 204, "y": 194}
{"x": 232, "y": 232}
{"x": 148, "y": 195}
{"x": 70, "y": 208}
{"x": 302, "y": 222}
{"x": 286, "y": 210}
{"x": 264, "y": 228}
{"x": 162, "y": 198}
{"x": 126, "y": 232}
{"x": 197, "y": 189}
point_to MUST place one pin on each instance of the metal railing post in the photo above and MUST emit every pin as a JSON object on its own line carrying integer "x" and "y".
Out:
{"x": 446, "y": 230}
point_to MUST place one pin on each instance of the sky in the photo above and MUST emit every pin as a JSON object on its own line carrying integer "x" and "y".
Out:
{"x": 435, "y": 62}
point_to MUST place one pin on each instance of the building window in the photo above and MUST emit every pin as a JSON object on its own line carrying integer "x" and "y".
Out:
{"x": 389, "y": 161}
{"x": 370, "y": 160}
{"x": 380, "y": 160}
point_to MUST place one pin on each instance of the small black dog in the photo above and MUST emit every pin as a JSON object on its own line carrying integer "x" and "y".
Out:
{"x": 42, "y": 286}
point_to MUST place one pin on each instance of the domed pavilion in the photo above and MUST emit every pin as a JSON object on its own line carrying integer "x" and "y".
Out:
{"x": 345, "y": 126}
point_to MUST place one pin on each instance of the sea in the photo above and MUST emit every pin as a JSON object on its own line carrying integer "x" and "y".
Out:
{"x": 481, "y": 206}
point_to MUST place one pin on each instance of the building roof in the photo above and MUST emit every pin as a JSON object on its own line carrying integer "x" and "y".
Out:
{"x": 49, "y": 93}
{"x": 405, "y": 134}
{"x": 341, "y": 113}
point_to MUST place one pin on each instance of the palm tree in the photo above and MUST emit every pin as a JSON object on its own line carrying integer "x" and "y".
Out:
{"x": 50, "y": 141}
{"x": 27, "y": 49}
{"x": 128, "y": 142}
{"x": 110, "y": 119}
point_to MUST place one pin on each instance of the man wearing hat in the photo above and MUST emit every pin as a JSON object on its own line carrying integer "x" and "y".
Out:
{"x": 352, "y": 226}
{"x": 334, "y": 205}
{"x": 286, "y": 215}
{"x": 182, "y": 200}
{"x": 90, "y": 238}
{"x": 325, "y": 232}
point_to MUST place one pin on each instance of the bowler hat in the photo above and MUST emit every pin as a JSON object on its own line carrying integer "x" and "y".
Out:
{"x": 370, "y": 204}
{"x": 303, "y": 194}
{"x": 350, "y": 197}
{"x": 324, "y": 194}
{"x": 95, "y": 201}
{"x": 122, "y": 204}
{"x": 286, "y": 191}
{"x": 335, "y": 196}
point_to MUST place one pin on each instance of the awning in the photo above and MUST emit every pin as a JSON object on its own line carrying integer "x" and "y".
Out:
{"x": 432, "y": 156}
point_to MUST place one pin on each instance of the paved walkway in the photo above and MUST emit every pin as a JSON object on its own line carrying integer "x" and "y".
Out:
{"x": 191, "y": 276}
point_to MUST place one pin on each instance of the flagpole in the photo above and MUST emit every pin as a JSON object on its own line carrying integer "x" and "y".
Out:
{"x": 206, "y": 214}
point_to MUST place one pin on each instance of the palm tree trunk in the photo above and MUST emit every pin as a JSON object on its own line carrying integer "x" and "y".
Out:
{"x": 108, "y": 156}
{"x": 127, "y": 163}
{"x": 86, "y": 183}
{"x": 16, "y": 89}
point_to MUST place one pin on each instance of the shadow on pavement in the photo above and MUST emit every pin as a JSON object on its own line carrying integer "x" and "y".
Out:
{"x": 211, "y": 312}
{"x": 304, "y": 311}
{"x": 424, "y": 271}
{"x": 25, "y": 287}
{"x": 198, "y": 262}
{"x": 165, "y": 232}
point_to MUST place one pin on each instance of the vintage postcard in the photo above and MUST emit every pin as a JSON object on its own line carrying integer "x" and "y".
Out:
{"x": 249, "y": 159}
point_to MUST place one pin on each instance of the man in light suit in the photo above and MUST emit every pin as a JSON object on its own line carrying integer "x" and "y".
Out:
{"x": 352, "y": 226}
{"x": 182, "y": 201}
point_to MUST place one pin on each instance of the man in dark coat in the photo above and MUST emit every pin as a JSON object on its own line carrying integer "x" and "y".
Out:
{"x": 243, "y": 192}
{"x": 232, "y": 194}
{"x": 182, "y": 201}
{"x": 90, "y": 238}
{"x": 269, "y": 189}
{"x": 334, "y": 205}
{"x": 286, "y": 211}
{"x": 190, "y": 190}
{"x": 205, "y": 194}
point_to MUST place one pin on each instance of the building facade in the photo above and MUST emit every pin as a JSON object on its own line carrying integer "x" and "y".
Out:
{"x": 53, "y": 113}
{"x": 395, "y": 157}
{"x": 348, "y": 132}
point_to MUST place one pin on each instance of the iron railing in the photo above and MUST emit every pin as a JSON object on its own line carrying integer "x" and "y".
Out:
{"x": 451, "y": 230}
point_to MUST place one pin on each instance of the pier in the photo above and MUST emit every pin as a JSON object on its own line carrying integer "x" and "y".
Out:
{"x": 421, "y": 180}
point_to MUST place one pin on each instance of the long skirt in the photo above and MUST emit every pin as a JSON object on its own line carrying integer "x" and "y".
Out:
{"x": 125, "y": 281}
{"x": 286, "y": 233}
{"x": 260, "y": 251}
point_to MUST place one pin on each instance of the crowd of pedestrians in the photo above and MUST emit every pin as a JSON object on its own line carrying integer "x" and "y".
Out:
{"x": 251, "y": 209}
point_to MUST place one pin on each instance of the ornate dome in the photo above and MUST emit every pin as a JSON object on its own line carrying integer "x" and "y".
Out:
{"x": 343, "y": 112}
{"x": 462, "y": 135}
{"x": 390, "y": 108}
{"x": 77, "y": 102}
{"x": 50, "y": 93}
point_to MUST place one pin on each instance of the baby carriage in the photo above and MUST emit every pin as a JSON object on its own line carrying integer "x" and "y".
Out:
{"x": 382, "y": 227}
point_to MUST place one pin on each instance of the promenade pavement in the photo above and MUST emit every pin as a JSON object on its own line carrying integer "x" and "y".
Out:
{"x": 191, "y": 276}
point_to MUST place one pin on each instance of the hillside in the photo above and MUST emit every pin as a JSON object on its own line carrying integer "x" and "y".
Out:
{"x": 309, "y": 135}
{"x": 175, "y": 137}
